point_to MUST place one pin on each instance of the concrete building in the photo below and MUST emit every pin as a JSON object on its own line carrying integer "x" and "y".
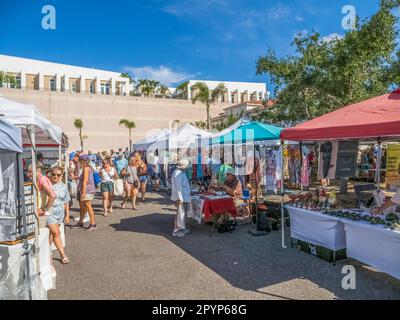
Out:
{"x": 101, "y": 115}
{"x": 49, "y": 76}
{"x": 237, "y": 92}
{"x": 248, "y": 109}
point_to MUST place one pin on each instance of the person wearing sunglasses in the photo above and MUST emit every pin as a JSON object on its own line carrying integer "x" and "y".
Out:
{"x": 59, "y": 211}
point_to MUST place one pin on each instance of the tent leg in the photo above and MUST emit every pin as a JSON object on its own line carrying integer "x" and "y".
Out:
{"x": 282, "y": 199}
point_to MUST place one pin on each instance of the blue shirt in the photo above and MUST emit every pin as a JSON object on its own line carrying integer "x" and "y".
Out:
{"x": 120, "y": 164}
{"x": 62, "y": 197}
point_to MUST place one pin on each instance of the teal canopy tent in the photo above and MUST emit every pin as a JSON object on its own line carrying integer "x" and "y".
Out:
{"x": 249, "y": 132}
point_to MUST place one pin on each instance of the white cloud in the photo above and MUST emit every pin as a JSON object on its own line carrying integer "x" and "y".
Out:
{"x": 162, "y": 74}
{"x": 279, "y": 12}
{"x": 332, "y": 37}
{"x": 185, "y": 8}
{"x": 299, "y": 18}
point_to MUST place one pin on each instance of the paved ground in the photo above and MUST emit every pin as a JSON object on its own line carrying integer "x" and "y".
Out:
{"x": 133, "y": 256}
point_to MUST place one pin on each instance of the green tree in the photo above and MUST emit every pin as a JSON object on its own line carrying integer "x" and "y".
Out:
{"x": 182, "y": 89}
{"x": 204, "y": 95}
{"x": 129, "y": 125}
{"x": 325, "y": 75}
{"x": 163, "y": 90}
{"x": 230, "y": 120}
{"x": 78, "y": 123}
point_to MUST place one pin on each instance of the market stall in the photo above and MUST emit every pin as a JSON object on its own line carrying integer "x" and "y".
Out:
{"x": 152, "y": 137}
{"x": 36, "y": 131}
{"x": 338, "y": 135}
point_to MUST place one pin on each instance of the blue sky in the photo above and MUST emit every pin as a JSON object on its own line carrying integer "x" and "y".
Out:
{"x": 168, "y": 40}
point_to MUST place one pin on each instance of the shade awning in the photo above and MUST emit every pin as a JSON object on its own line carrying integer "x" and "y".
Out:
{"x": 378, "y": 117}
{"x": 23, "y": 115}
{"x": 181, "y": 138}
{"x": 10, "y": 137}
{"x": 252, "y": 131}
{"x": 150, "y": 139}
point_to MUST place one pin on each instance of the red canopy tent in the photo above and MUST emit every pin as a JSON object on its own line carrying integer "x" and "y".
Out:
{"x": 374, "y": 118}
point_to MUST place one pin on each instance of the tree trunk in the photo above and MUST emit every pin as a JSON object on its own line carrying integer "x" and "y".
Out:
{"x": 208, "y": 117}
{"x": 130, "y": 141}
{"x": 80, "y": 136}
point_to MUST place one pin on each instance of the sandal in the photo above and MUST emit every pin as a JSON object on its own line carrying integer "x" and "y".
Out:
{"x": 78, "y": 225}
{"x": 122, "y": 205}
{"x": 105, "y": 214}
{"x": 65, "y": 261}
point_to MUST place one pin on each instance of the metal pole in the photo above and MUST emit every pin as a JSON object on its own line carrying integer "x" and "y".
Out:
{"x": 282, "y": 199}
{"x": 378, "y": 164}
{"x": 22, "y": 212}
{"x": 34, "y": 181}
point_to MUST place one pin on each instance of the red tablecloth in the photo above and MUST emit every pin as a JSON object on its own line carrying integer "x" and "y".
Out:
{"x": 218, "y": 206}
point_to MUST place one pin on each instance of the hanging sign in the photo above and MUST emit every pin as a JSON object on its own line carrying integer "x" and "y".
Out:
{"x": 393, "y": 165}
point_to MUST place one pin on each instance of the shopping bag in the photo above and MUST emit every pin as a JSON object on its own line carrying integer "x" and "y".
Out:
{"x": 118, "y": 187}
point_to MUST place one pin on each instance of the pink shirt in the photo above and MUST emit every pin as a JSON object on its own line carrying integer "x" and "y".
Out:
{"x": 42, "y": 181}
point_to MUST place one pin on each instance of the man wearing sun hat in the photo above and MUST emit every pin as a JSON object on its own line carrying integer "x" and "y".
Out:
{"x": 181, "y": 195}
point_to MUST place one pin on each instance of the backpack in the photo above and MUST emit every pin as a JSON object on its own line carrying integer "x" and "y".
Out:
{"x": 96, "y": 179}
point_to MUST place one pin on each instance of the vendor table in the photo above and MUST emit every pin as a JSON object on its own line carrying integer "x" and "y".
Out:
{"x": 317, "y": 228}
{"x": 374, "y": 245}
{"x": 210, "y": 206}
{"x": 10, "y": 257}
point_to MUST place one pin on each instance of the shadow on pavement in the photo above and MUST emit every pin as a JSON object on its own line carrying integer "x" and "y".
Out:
{"x": 254, "y": 263}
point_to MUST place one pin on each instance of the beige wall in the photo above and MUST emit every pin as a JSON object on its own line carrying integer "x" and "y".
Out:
{"x": 101, "y": 114}
{"x": 31, "y": 81}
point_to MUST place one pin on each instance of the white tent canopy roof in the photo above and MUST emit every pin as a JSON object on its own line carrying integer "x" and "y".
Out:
{"x": 23, "y": 115}
{"x": 152, "y": 137}
{"x": 180, "y": 138}
{"x": 10, "y": 137}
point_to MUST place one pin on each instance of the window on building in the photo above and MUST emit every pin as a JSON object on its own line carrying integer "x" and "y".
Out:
{"x": 232, "y": 98}
{"x": 105, "y": 88}
{"x": 261, "y": 96}
{"x": 63, "y": 85}
{"x": 92, "y": 87}
{"x": 73, "y": 88}
{"x": 52, "y": 85}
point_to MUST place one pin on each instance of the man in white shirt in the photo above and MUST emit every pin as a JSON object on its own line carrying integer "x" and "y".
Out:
{"x": 181, "y": 195}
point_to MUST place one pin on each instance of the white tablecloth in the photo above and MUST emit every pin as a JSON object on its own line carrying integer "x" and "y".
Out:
{"x": 374, "y": 245}
{"x": 317, "y": 228}
{"x": 10, "y": 256}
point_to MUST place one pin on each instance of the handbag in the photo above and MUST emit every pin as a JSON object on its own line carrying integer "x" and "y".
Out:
{"x": 118, "y": 187}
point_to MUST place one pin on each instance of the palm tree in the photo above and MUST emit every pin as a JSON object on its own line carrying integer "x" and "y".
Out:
{"x": 78, "y": 123}
{"x": 129, "y": 125}
{"x": 163, "y": 90}
{"x": 141, "y": 84}
{"x": 203, "y": 94}
{"x": 182, "y": 89}
{"x": 2, "y": 75}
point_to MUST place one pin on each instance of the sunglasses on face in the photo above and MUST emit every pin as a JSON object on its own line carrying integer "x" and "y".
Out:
{"x": 56, "y": 174}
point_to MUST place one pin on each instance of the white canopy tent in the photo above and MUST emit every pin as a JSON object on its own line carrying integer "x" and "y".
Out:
{"x": 36, "y": 130}
{"x": 153, "y": 136}
{"x": 27, "y": 116}
{"x": 10, "y": 137}
{"x": 180, "y": 138}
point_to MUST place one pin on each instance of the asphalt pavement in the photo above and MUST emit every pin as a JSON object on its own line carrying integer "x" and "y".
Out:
{"x": 132, "y": 255}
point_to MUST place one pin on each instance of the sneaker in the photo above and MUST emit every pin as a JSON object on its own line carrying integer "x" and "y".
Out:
{"x": 178, "y": 234}
{"x": 91, "y": 227}
{"x": 185, "y": 231}
{"x": 78, "y": 225}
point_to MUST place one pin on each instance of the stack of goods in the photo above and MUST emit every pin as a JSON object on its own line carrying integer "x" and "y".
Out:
{"x": 391, "y": 219}
{"x": 315, "y": 201}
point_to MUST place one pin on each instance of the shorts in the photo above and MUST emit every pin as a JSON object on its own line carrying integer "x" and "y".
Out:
{"x": 88, "y": 197}
{"x": 143, "y": 178}
{"x": 107, "y": 187}
{"x": 51, "y": 219}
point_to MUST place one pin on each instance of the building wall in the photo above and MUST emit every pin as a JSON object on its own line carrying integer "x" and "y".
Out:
{"x": 101, "y": 114}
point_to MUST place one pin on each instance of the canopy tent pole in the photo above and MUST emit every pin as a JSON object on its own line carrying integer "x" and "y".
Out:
{"x": 59, "y": 154}
{"x": 378, "y": 164}
{"x": 282, "y": 199}
{"x": 22, "y": 210}
{"x": 34, "y": 181}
